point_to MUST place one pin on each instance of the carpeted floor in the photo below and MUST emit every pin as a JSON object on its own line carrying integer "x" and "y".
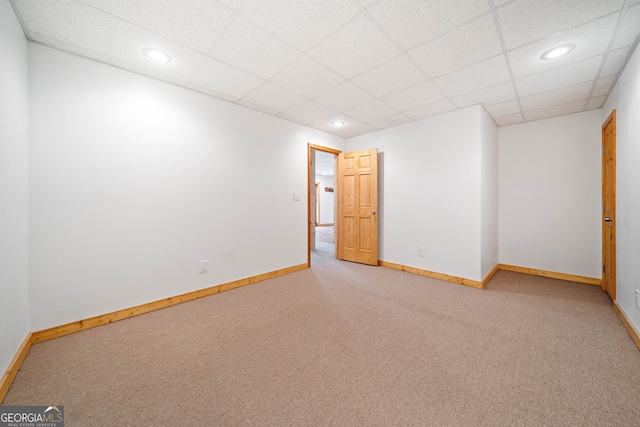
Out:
{"x": 325, "y": 234}
{"x": 344, "y": 344}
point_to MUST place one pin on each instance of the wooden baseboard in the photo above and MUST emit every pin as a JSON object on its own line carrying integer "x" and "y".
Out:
{"x": 635, "y": 335}
{"x": 92, "y": 322}
{"x": 432, "y": 274}
{"x": 551, "y": 274}
{"x": 490, "y": 275}
{"x": 325, "y": 225}
{"x": 14, "y": 366}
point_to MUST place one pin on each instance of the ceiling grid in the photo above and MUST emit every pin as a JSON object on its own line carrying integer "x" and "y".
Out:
{"x": 371, "y": 64}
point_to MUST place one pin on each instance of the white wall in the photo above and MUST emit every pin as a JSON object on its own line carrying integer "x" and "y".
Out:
{"x": 134, "y": 181}
{"x": 489, "y": 193}
{"x": 429, "y": 188}
{"x": 326, "y": 199}
{"x": 14, "y": 186}
{"x": 550, "y": 194}
{"x": 625, "y": 99}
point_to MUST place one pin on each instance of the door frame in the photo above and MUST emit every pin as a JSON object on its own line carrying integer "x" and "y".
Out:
{"x": 311, "y": 209}
{"x": 612, "y": 185}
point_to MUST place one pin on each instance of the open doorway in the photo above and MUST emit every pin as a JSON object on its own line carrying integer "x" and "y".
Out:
{"x": 322, "y": 202}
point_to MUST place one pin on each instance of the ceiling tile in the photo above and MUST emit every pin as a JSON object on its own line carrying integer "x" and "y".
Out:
{"x": 307, "y": 77}
{"x": 257, "y": 107}
{"x": 273, "y": 97}
{"x": 309, "y": 111}
{"x": 359, "y": 130}
{"x": 103, "y": 5}
{"x": 250, "y": 48}
{"x": 511, "y": 119}
{"x": 392, "y": 76}
{"x": 490, "y": 95}
{"x": 325, "y": 124}
{"x": 343, "y": 97}
{"x": 412, "y": 22}
{"x": 292, "y": 119}
{"x": 355, "y": 48}
{"x": 476, "y": 41}
{"x": 558, "y": 110}
{"x": 211, "y": 92}
{"x": 525, "y": 21}
{"x": 503, "y": 108}
{"x": 595, "y": 103}
{"x": 430, "y": 110}
{"x": 371, "y": 111}
{"x": 129, "y": 40}
{"x": 614, "y": 62}
{"x": 603, "y": 86}
{"x": 629, "y": 29}
{"x": 590, "y": 39}
{"x": 68, "y": 47}
{"x": 487, "y": 96}
{"x": 68, "y": 21}
{"x": 483, "y": 74}
{"x": 568, "y": 75}
{"x": 414, "y": 97}
{"x": 301, "y": 23}
{"x": 556, "y": 97}
{"x": 387, "y": 122}
{"x": 221, "y": 77}
{"x": 195, "y": 24}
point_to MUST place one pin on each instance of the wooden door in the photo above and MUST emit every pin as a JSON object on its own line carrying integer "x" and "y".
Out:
{"x": 358, "y": 206}
{"x": 609, "y": 205}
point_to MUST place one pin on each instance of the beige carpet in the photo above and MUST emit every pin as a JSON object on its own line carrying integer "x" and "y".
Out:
{"x": 344, "y": 344}
{"x": 325, "y": 234}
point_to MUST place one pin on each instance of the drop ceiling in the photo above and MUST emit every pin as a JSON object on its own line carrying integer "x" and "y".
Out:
{"x": 372, "y": 64}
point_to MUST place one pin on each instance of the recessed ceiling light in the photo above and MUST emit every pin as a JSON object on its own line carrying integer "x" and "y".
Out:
{"x": 558, "y": 51}
{"x": 337, "y": 123}
{"x": 156, "y": 55}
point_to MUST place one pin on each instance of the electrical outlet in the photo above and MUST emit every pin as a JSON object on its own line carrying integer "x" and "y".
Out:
{"x": 638, "y": 298}
{"x": 420, "y": 251}
{"x": 204, "y": 266}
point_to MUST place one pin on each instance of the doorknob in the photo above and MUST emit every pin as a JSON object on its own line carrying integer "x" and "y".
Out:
{"x": 373, "y": 212}
{"x": 607, "y": 219}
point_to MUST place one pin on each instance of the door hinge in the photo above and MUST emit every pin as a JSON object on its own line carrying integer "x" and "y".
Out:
{"x": 603, "y": 149}
{"x": 603, "y": 269}
{"x": 602, "y": 208}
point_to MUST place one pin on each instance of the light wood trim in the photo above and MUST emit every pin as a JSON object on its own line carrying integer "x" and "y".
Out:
{"x": 310, "y": 208}
{"x": 92, "y": 322}
{"x": 611, "y": 209}
{"x": 14, "y": 366}
{"x": 325, "y": 149}
{"x": 490, "y": 275}
{"x": 324, "y": 225}
{"x": 551, "y": 274}
{"x": 432, "y": 274}
{"x": 635, "y": 335}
